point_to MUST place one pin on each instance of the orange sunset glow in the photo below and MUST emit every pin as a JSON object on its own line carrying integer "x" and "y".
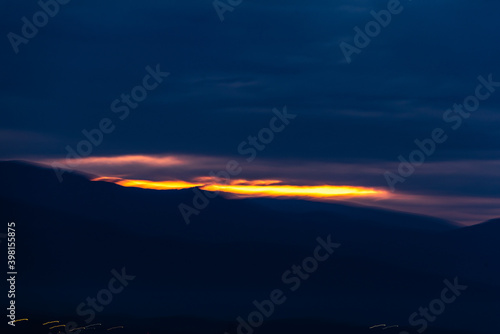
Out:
{"x": 255, "y": 188}
{"x": 145, "y": 184}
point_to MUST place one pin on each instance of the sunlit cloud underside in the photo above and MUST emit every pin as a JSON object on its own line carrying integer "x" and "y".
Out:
{"x": 256, "y": 188}
{"x": 354, "y": 183}
{"x": 146, "y": 184}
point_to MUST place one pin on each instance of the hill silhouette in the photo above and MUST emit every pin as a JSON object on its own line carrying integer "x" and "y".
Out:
{"x": 202, "y": 276}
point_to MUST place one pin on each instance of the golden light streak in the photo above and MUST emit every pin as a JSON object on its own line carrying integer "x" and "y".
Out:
{"x": 324, "y": 191}
{"x": 50, "y": 322}
{"x": 57, "y": 326}
{"x": 256, "y": 188}
{"x": 25, "y": 319}
{"x": 145, "y": 184}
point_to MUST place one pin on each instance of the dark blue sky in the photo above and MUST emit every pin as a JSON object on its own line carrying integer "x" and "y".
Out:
{"x": 226, "y": 77}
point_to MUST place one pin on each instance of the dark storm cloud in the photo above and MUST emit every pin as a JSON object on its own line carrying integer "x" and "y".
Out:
{"x": 226, "y": 77}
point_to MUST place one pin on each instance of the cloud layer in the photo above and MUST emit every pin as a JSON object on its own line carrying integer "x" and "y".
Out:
{"x": 353, "y": 120}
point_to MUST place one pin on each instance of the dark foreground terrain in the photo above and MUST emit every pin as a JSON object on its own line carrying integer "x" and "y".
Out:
{"x": 74, "y": 238}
